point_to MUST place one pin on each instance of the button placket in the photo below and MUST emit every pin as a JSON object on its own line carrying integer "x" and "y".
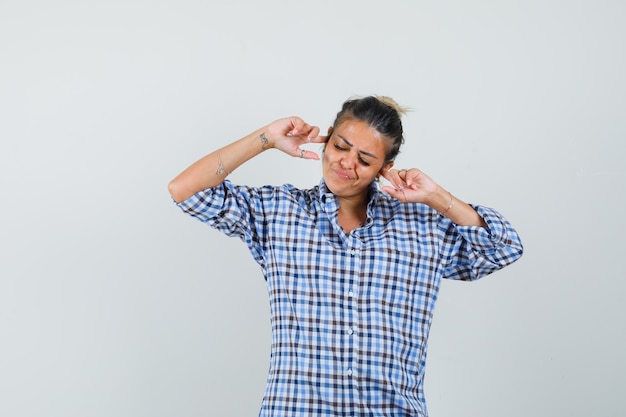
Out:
{"x": 351, "y": 334}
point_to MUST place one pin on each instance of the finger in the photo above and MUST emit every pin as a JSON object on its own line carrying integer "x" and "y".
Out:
{"x": 297, "y": 126}
{"x": 320, "y": 139}
{"x": 306, "y": 154}
{"x": 389, "y": 174}
{"x": 386, "y": 174}
{"x": 410, "y": 177}
{"x": 301, "y": 128}
{"x": 395, "y": 193}
{"x": 310, "y": 155}
{"x": 313, "y": 133}
{"x": 394, "y": 177}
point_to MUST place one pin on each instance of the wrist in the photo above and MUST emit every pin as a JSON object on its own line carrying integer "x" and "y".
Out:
{"x": 443, "y": 201}
{"x": 450, "y": 204}
{"x": 265, "y": 140}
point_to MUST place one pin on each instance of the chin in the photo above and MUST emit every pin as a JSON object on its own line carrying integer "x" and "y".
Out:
{"x": 334, "y": 185}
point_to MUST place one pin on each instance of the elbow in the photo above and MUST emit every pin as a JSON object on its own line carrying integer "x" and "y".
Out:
{"x": 174, "y": 190}
{"x": 520, "y": 250}
{"x": 516, "y": 250}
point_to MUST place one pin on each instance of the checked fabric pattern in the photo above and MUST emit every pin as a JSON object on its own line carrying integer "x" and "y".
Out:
{"x": 350, "y": 313}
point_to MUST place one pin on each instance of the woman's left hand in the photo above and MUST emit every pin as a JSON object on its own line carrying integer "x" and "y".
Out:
{"x": 413, "y": 186}
{"x": 410, "y": 185}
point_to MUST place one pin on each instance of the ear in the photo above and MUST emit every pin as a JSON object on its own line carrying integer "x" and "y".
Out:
{"x": 386, "y": 167}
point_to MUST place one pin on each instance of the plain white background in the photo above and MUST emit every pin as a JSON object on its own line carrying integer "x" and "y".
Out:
{"x": 113, "y": 303}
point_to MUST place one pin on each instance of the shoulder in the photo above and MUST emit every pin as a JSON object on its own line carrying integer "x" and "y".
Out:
{"x": 303, "y": 197}
{"x": 273, "y": 194}
{"x": 407, "y": 217}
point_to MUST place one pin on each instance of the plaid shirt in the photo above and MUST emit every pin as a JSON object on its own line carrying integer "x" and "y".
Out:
{"x": 350, "y": 313}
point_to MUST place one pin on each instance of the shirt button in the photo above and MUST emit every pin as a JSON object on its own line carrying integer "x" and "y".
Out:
{"x": 350, "y": 294}
{"x": 350, "y": 331}
{"x": 349, "y": 372}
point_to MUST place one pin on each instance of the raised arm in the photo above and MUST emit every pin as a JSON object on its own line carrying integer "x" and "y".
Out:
{"x": 284, "y": 134}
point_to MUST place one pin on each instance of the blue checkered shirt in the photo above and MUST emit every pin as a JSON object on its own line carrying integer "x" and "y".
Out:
{"x": 350, "y": 313}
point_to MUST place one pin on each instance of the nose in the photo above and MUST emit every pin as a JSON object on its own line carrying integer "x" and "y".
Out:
{"x": 348, "y": 160}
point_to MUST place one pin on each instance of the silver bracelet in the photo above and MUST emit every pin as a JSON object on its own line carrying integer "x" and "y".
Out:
{"x": 451, "y": 204}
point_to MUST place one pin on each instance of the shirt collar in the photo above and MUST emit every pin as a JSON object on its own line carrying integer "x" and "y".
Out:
{"x": 330, "y": 203}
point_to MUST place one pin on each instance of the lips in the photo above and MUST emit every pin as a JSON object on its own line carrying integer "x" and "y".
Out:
{"x": 343, "y": 175}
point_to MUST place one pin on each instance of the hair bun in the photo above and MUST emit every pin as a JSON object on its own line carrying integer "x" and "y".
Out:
{"x": 388, "y": 101}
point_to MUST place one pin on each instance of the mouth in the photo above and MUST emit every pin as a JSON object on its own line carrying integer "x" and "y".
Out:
{"x": 343, "y": 175}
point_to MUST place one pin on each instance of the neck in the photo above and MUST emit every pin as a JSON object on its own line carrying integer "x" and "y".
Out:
{"x": 353, "y": 205}
{"x": 352, "y": 212}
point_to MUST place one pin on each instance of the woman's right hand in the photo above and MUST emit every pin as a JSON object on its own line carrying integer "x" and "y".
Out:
{"x": 290, "y": 133}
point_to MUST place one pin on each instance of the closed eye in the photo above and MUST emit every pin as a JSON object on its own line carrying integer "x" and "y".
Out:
{"x": 361, "y": 160}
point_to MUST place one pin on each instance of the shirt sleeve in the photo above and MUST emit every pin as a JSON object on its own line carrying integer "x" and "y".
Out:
{"x": 234, "y": 210}
{"x": 471, "y": 252}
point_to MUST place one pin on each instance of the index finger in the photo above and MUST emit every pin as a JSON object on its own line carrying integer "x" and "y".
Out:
{"x": 318, "y": 138}
{"x": 393, "y": 176}
{"x": 301, "y": 128}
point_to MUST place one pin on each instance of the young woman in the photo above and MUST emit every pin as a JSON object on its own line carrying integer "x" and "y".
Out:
{"x": 353, "y": 269}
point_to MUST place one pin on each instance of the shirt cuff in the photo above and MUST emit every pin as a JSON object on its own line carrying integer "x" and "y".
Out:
{"x": 498, "y": 234}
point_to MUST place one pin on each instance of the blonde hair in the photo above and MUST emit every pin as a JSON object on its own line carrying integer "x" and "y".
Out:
{"x": 388, "y": 101}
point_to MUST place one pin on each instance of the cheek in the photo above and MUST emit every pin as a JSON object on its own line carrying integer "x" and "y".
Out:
{"x": 325, "y": 162}
{"x": 370, "y": 174}
{"x": 372, "y": 171}
{"x": 327, "y": 155}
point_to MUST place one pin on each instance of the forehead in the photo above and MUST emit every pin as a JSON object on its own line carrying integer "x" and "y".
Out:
{"x": 361, "y": 136}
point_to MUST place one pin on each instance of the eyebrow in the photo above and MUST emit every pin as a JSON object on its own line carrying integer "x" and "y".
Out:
{"x": 351, "y": 145}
